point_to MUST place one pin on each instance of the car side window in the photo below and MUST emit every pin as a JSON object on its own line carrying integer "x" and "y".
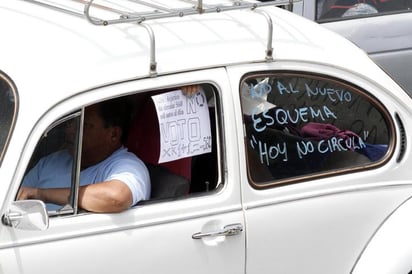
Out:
{"x": 340, "y": 9}
{"x": 53, "y": 162}
{"x": 8, "y": 105}
{"x": 171, "y": 131}
{"x": 299, "y": 125}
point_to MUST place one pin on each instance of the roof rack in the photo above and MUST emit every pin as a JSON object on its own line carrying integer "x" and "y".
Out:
{"x": 108, "y": 12}
{"x": 138, "y": 11}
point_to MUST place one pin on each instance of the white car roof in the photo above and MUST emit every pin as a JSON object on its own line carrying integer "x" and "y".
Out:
{"x": 57, "y": 54}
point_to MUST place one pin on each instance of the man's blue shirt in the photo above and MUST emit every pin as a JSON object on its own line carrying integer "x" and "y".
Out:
{"x": 55, "y": 171}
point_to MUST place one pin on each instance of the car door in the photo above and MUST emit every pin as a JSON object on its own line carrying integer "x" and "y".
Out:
{"x": 312, "y": 192}
{"x": 199, "y": 232}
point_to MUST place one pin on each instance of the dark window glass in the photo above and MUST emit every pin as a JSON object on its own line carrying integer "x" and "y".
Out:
{"x": 8, "y": 102}
{"x": 299, "y": 125}
{"x": 333, "y": 9}
{"x": 58, "y": 143}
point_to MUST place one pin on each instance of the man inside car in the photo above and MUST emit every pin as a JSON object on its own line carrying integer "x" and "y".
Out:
{"x": 112, "y": 179}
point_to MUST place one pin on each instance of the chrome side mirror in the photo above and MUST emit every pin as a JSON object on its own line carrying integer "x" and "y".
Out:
{"x": 27, "y": 215}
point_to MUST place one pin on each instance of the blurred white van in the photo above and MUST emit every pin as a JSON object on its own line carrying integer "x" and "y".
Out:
{"x": 382, "y": 28}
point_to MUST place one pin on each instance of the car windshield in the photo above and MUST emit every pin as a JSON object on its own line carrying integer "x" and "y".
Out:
{"x": 7, "y": 111}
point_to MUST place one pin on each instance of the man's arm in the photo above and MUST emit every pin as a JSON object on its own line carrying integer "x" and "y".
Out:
{"x": 111, "y": 196}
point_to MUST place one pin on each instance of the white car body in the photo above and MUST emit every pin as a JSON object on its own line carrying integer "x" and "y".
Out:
{"x": 322, "y": 224}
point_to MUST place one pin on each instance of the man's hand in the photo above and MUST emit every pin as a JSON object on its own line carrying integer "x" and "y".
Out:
{"x": 48, "y": 195}
{"x": 28, "y": 193}
{"x": 189, "y": 91}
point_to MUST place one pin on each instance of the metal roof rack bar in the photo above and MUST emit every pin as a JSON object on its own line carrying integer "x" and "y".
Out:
{"x": 269, "y": 48}
{"x": 153, "y": 63}
{"x": 162, "y": 12}
{"x": 56, "y": 7}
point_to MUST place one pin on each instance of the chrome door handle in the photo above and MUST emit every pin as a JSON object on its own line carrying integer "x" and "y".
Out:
{"x": 228, "y": 230}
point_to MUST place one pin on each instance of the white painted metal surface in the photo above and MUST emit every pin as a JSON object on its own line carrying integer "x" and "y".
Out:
{"x": 389, "y": 251}
{"x": 60, "y": 62}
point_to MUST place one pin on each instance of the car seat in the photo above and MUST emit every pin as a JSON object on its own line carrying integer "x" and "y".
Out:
{"x": 168, "y": 179}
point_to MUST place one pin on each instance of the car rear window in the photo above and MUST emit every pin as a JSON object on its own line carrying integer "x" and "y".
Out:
{"x": 8, "y": 101}
{"x": 335, "y": 9}
{"x": 299, "y": 125}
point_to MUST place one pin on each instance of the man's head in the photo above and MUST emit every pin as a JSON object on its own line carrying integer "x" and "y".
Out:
{"x": 105, "y": 128}
{"x": 116, "y": 113}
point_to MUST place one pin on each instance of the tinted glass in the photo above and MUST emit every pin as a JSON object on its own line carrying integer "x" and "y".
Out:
{"x": 299, "y": 125}
{"x": 58, "y": 145}
{"x": 8, "y": 101}
{"x": 333, "y": 9}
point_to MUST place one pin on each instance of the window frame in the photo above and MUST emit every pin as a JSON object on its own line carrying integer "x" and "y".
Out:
{"x": 71, "y": 208}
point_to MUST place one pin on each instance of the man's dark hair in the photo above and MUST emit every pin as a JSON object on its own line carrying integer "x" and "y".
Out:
{"x": 116, "y": 112}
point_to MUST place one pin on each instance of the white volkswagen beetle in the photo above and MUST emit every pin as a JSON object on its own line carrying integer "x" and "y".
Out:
{"x": 291, "y": 156}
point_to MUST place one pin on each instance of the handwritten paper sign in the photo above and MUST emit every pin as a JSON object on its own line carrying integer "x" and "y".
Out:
{"x": 184, "y": 125}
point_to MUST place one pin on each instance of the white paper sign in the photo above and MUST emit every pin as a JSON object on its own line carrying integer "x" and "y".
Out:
{"x": 184, "y": 125}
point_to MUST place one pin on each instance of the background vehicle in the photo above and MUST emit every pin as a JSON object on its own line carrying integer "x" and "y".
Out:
{"x": 268, "y": 193}
{"x": 381, "y": 28}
